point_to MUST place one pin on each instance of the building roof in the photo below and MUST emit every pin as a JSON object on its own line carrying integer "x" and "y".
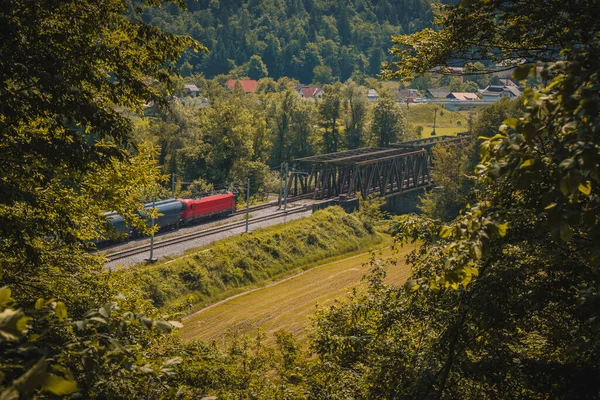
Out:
{"x": 514, "y": 90}
{"x": 406, "y": 93}
{"x": 508, "y": 82}
{"x": 310, "y": 91}
{"x": 248, "y": 85}
{"x": 191, "y": 88}
{"x": 372, "y": 93}
{"x": 495, "y": 90}
{"x": 438, "y": 93}
{"x": 463, "y": 96}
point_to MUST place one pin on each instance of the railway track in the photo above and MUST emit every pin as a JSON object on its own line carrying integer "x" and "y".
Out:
{"x": 203, "y": 233}
{"x": 273, "y": 204}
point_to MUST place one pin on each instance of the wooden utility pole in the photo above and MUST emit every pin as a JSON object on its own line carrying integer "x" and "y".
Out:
{"x": 247, "y": 203}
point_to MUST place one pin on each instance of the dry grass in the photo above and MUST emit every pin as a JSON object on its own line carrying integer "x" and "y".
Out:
{"x": 287, "y": 304}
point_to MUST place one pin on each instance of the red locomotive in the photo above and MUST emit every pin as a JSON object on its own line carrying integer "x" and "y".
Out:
{"x": 176, "y": 212}
{"x": 204, "y": 207}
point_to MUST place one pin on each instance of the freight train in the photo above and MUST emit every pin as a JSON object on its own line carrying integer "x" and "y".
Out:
{"x": 174, "y": 213}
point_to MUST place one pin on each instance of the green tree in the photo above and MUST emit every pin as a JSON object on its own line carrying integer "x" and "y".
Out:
{"x": 61, "y": 131}
{"x": 388, "y": 122}
{"x": 303, "y": 130}
{"x": 281, "y": 110}
{"x": 330, "y": 108}
{"x": 322, "y": 75}
{"x": 452, "y": 164}
{"x": 356, "y": 115}
{"x": 256, "y": 68}
{"x": 72, "y": 74}
{"x": 476, "y": 72}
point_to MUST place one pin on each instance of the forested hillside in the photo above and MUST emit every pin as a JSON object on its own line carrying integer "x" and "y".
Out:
{"x": 291, "y": 38}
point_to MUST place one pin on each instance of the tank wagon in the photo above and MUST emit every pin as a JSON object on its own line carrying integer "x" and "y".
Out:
{"x": 176, "y": 212}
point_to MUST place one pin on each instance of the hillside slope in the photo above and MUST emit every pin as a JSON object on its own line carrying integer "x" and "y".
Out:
{"x": 292, "y": 37}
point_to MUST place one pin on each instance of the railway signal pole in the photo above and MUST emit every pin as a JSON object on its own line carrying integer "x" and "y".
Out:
{"x": 286, "y": 188}
{"x": 247, "y": 203}
{"x": 151, "y": 259}
{"x": 280, "y": 186}
{"x": 173, "y": 185}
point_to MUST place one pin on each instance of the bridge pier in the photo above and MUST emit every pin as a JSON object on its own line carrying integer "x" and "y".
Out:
{"x": 405, "y": 202}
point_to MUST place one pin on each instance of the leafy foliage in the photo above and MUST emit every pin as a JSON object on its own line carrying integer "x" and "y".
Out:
{"x": 503, "y": 300}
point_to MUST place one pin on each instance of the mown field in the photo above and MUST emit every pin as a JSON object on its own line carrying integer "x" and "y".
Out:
{"x": 289, "y": 304}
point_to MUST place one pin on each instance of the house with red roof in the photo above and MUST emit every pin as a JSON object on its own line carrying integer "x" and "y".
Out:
{"x": 311, "y": 92}
{"x": 248, "y": 85}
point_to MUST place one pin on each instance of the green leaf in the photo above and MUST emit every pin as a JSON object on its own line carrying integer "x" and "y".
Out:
{"x": 59, "y": 386}
{"x": 502, "y": 228}
{"x": 102, "y": 311}
{"x": 173, "y": 361}
{"x": 527, "y": 163}
{"x": 81, "y": 325}
{"x": 33, "y": 378}
{"x": 585, "y": 188}
{"x": 146, "y": 322}
{"x": 39, "y": 304}
{"x": 163, "y": 326}
{"x": 445, "y": 232}
{"x": 550, "y": 206}
{"x": 13, "y": 324}
{"x": 511, "y": 122}
{"x": 4, "y": 296}
{"x": 566, "y": 233}
{"x": 60, "y": 310}
{"x": 521, "y": 72}
{"x": 99, "y": 319}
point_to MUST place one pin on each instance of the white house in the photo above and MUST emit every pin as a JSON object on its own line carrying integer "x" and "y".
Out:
{"x": 191, "y": 90}
{"x": 372, "y": 95}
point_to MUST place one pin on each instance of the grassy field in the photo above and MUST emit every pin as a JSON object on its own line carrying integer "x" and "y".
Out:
{"x": 287, "y": 304}
{"x": 446, "y": 122}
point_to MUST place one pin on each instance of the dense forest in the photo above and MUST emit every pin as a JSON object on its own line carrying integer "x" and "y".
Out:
{"x": 295, "y": 38}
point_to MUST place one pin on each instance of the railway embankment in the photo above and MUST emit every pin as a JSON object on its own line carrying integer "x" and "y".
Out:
{"x": 205, "y": 275}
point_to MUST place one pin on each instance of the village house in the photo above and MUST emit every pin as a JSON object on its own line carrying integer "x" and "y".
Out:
{"x": 191, "y": 90}
{"x": 406, "y": 95}
{"x": 248, "y": 85}
{"x": 437, "y": 94}
{"x": 372, "y": 95}
{"x": 462, "y": 96}
{"x": 493, "y": 93}
{"x": 312, "y": 93}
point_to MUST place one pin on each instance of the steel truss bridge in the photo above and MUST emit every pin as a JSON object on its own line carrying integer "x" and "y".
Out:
{"x": 374, "y": 170}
